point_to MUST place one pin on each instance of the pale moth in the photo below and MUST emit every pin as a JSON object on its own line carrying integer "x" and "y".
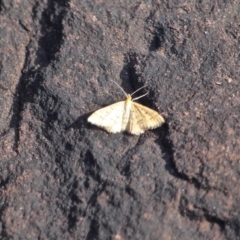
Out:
{"x": 126, "y": 116}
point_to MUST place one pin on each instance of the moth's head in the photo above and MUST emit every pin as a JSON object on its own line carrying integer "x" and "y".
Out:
{"x": 129, "y": 97}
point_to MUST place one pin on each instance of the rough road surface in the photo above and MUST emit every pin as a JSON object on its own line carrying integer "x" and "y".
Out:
{"x": 62, "y": 178}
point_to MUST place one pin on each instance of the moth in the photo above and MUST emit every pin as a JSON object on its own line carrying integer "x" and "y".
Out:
{"x": 126, "y": 116}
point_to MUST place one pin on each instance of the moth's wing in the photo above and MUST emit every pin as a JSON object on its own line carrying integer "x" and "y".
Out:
{"x": 111, "y": 118}
{"x": 143, "y": 118}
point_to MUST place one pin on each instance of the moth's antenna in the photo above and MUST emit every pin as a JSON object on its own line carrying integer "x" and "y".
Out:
{"x": 140, "y": 96}
{"x": 138, "y": 89}
{"x": 119, "y": 87}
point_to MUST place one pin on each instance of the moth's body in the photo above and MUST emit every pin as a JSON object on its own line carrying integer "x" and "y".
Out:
{"x": 126, "y": 116}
